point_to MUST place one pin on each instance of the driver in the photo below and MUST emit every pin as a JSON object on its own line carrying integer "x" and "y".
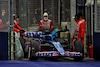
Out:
{"x": 46, "y": 24}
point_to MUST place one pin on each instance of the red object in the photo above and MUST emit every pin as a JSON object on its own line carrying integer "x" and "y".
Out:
{"x": 1, "y": 25}
{"x": 48, "y": 24}
{"x": 82, "y": 30}
{"x": 90, "y": 51}
{"x": 80, "y": 27}
{"x": 16, "y": 27}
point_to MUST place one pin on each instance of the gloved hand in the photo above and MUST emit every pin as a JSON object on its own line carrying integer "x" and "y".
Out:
{"x": 81, "y": 38}
{"x": 22, "y": 33}
{"x": 74, "y": 37}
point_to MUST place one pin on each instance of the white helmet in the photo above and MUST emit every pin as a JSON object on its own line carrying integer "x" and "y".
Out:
{"x": 14, "y": 14}
{"x": 45, "y": 16}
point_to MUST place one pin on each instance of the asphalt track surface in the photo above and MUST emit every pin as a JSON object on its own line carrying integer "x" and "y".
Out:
{"x": 51, "y": 63}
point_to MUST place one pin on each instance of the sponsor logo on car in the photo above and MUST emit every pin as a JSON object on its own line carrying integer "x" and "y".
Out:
{"x": 45, "y": 54}
{"x": 74, "y": 54}
{"x": 33, "y": 34}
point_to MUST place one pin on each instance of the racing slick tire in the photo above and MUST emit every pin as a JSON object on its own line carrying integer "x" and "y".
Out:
{"x": 34, "y": 47}
{"x": 78, "y": 47}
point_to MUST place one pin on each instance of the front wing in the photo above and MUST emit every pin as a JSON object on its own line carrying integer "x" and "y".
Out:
{"x": 55, "y": 53}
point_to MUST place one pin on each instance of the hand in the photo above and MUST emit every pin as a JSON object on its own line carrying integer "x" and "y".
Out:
{"x": 81, "y": 38}
{"x": 22, "y": 31}
{"x": 73, "y": 37}
{"x": 78, "y": 39}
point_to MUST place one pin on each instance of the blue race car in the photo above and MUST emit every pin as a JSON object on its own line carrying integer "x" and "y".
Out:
{"x": 41, "y": 44}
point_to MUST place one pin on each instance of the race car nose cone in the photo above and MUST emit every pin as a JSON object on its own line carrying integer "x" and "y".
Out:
{"x": 62, "y": 53}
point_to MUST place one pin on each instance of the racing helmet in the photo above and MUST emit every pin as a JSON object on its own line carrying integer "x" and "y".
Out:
{"x": 45, "y": 15}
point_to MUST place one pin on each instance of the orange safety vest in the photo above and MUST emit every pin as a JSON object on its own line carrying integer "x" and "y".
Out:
{"x": 46, "y": 25}
{"x": 1, "y": 24}
{"x": 80, "y": 29}
{"x": 16, "y": 27}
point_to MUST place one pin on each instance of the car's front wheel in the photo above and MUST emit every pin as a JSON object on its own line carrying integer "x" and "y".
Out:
{"x": 34, "y": 47}
{"x": 78, "y": 47}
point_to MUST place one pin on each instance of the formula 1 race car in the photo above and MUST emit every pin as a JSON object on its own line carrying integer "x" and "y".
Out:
{"x": 42, "y": 44}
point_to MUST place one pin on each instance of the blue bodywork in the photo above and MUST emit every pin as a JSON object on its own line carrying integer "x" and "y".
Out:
{"x": 54, "y": 41}
{"x": 58, "y": 46}
{"x": 48, "y": 38}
